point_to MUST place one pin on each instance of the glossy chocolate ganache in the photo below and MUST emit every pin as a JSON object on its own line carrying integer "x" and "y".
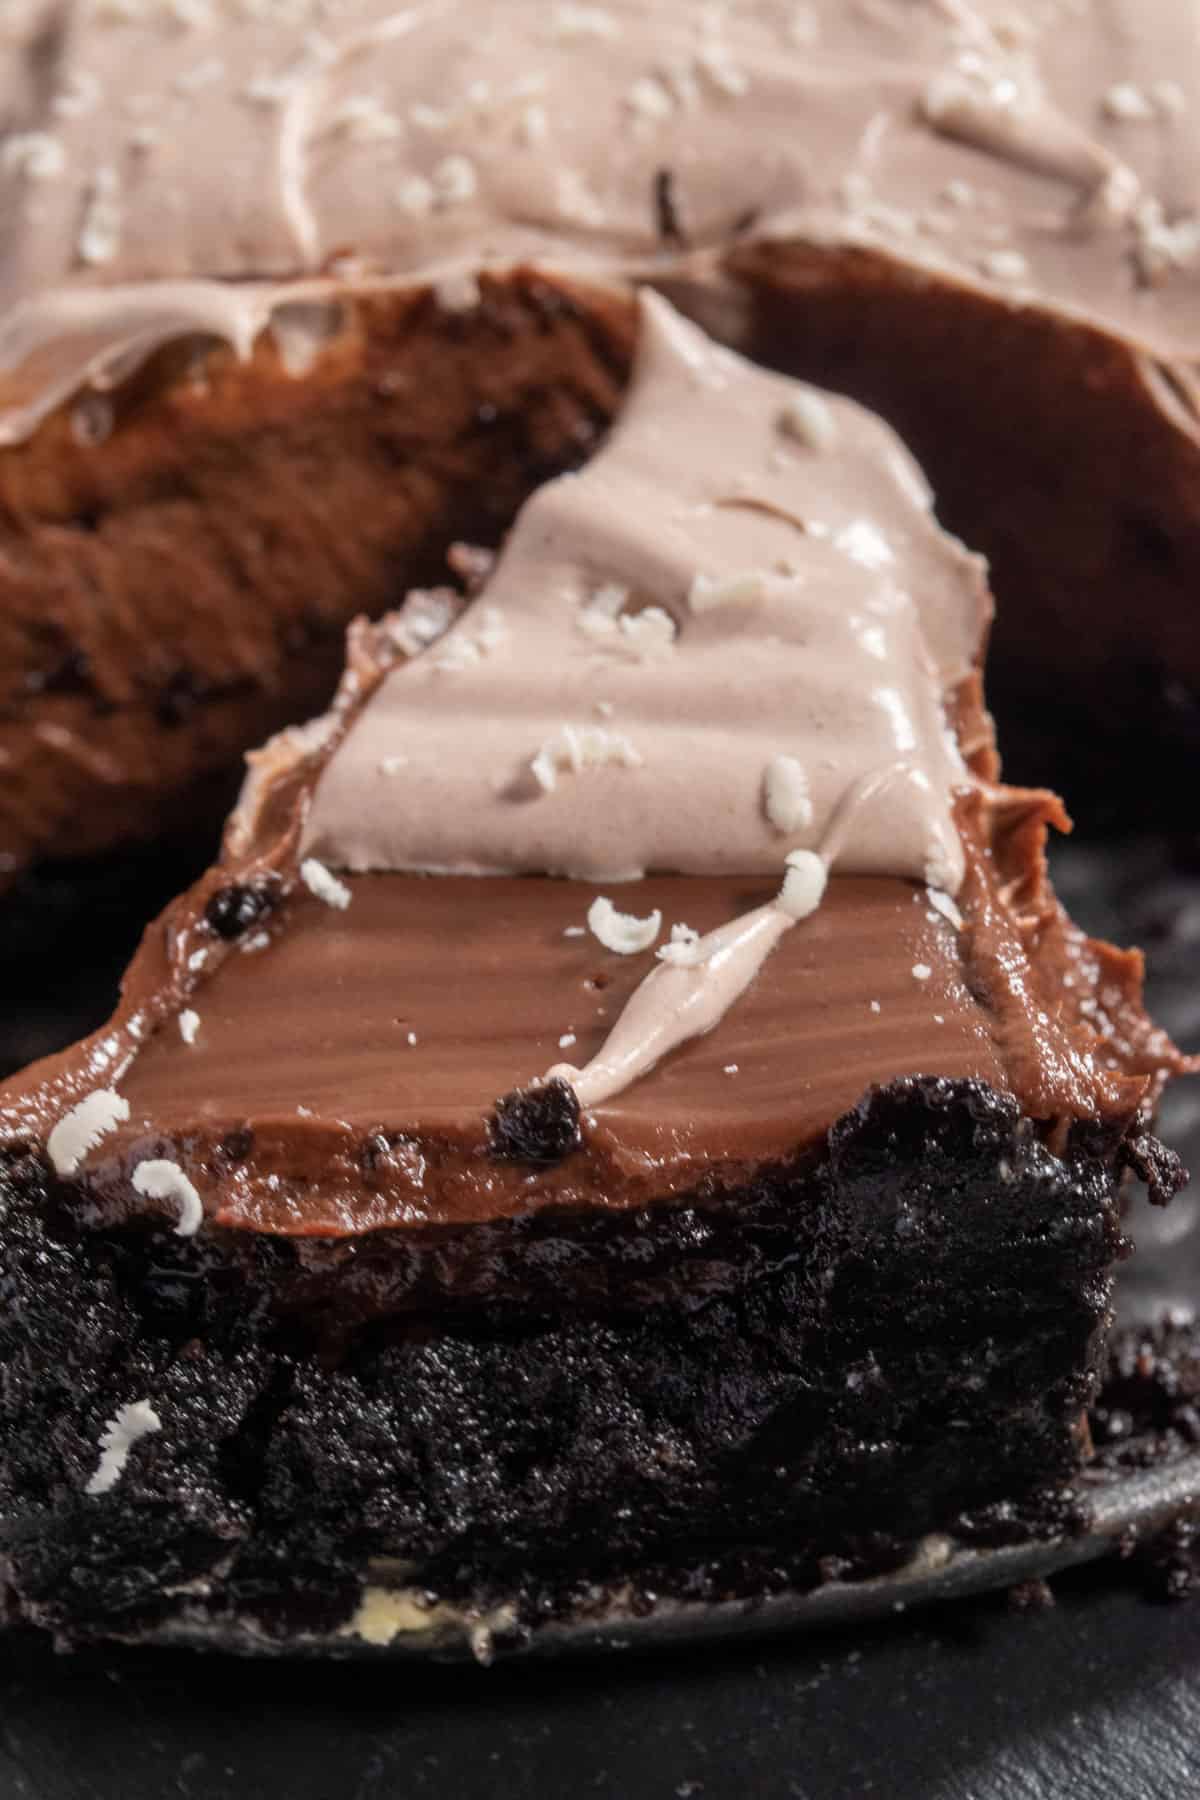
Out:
{"x": 631, "y": 875}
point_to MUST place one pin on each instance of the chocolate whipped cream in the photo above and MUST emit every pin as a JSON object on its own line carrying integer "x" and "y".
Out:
{"x": 695, "y": 655}
{"x": 1044, "y": 152}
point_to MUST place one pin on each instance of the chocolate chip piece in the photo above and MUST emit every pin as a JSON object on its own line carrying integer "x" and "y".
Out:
{"x": 232, "y": 910}
{"x": 236, "y": 1146}
{"x": 666, "y": 209}
{"x": 537, "y": 1125}
{"x": 1160, "y": 1168}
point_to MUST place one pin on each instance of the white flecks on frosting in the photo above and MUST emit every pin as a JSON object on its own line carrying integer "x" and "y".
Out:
{"x": 209, "y": 73}
{"x": 1049, "y": 128}
{"x": 80, "y": 1130}
{"x": 650, "y": 98}
{"x": 1004, "y": 265}
{"x": 189, "y": 1024}
{"x": 567, "y": 1039}
{"x": 324, "y": 885}
{"x": 364, "y": 119}
{"x": 533, "y": 125}
{"x": 414, "y": 196}
{"x": 921, "y": 971}
{"x": 129, "y": 1425}
{"x": 100, "y": 234}
{"x": 942, "y": 902}
{"x": 804, "y": 26}
{"x": 745, "y": 588}
{"x": 648, "y": 632}
{"x": 808, "y": 418}
{"x": 881, "y": 608}
{"x": 455, "y": 181}
{"x": 80, "y": 94}
{"x": 36, "y": 155}
{"x": 426, "y": 615}
{"x": 1162, "y": 245}
{"x": 786, "y": 797}
{"x": 1128, "y": 103}
{"x": 160, "y": 1179}
{"x": 569, "y": 22}
{"x": 623, "y": 932}
{"x": 578, "y": 747}
{"x": 468, "y": 644}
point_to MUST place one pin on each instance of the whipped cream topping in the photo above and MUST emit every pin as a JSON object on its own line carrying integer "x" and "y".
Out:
{"x": 768, "y": 622}
{"x": 708, "y": 595}
{"x": 1048, "y": 151}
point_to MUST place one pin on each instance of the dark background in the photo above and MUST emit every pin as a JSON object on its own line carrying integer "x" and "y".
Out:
{"x": 1097, "y": 1698}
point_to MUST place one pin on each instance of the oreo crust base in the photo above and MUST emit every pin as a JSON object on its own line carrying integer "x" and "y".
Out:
{"x": 716, "y": 1396}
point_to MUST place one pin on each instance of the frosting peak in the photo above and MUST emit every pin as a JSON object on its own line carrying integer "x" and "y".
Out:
{"x": 689, "y": 657}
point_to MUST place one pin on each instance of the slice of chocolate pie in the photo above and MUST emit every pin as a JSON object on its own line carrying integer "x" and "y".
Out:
{"x": 627, "y": 1108}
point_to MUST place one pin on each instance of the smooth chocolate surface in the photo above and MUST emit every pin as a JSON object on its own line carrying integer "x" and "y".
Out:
{"x": 480, "y": 973}
{"x": 302, "y": 1106}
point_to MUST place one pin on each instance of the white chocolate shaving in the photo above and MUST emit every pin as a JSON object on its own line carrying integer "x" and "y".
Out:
{"x": 82, "y": 1128}
{"x": 708, "y": 592}
{"x": 786, "y": 798}
{"x": 623, "y": 932}
{"x": 579, "y": 747}
{"x": 36, "y": 155}
{"x": 160, "y": 1179}
{"x": 809, "y": 420}
{"x": 804, "y": 884}
{"x": 323, "y": 885}
{"x": 130, "y": 1424}
{"x": 684, "y": 946}
{"x": 942, "y": 903}
{"x": 640, "y": 635}
{"x": 189, "y": 1025}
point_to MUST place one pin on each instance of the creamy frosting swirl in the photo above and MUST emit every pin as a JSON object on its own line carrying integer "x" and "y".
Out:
{"x": 687, "y": 657}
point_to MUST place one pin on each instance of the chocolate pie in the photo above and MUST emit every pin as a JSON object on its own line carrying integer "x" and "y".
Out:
{"x": 626, "y": 1113}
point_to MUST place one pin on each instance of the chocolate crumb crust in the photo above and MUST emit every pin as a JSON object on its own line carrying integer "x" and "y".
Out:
{"x": 719, "y": 1394}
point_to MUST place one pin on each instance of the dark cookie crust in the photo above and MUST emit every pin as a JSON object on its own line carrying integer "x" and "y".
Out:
{"x": 714, "y": 1396}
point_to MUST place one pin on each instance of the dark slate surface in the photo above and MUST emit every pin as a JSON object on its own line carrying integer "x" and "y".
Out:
{"x": 1095, "y": 1699}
